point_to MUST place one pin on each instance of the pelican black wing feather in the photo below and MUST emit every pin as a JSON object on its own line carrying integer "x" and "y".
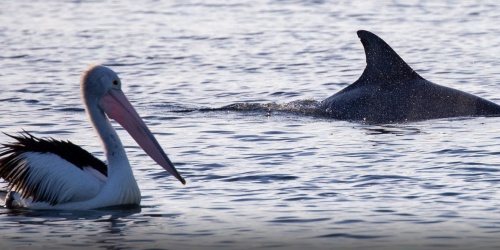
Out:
{"x": 11, "y": 161}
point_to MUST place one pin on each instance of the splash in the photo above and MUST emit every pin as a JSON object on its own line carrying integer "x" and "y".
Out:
{"x": 303, "y": 107}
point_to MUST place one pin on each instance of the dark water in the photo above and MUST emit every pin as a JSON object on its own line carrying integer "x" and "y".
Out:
{"x": 260, "y": 180}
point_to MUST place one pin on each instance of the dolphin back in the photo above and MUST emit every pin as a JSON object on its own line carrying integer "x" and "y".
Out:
{"x": 389, "y": 90}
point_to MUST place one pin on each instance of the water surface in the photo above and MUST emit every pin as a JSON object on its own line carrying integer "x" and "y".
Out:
{"x": 259, "y": 180}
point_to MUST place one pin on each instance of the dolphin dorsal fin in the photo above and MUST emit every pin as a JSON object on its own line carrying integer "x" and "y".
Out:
{"x": 383, "y": 64}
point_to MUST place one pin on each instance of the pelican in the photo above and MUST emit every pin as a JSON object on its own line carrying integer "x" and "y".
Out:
{"x": 43, "y": 173}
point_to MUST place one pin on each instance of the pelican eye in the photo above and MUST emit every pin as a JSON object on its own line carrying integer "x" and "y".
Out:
{"x": 115, "y": 83}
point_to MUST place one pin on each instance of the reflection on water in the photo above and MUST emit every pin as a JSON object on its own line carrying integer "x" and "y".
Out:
{"x": 392, "y": 129}
{"x": 113, "y": 213}
{"x": 38, "y": 228}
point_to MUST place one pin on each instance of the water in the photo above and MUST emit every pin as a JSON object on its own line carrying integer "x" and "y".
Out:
{"x": 259, "y": 180}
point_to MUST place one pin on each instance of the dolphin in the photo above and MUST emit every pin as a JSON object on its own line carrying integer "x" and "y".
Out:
{"x": 390, "y": 91}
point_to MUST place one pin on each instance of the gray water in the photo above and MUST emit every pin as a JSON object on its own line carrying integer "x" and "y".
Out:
{"x": 259, "y": 180}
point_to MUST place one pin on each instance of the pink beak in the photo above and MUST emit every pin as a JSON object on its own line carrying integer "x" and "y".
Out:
{"x": 117, "y": 107}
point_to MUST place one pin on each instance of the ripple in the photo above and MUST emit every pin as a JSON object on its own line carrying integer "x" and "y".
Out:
{"x": 71, "y": 110}
{"x": 262, "y": 178}
{"x": 296, "y": 220}
{"x": 351, "y": 236}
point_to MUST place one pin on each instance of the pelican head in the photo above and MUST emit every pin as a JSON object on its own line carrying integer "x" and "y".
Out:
{"x": 101, "y": 92}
